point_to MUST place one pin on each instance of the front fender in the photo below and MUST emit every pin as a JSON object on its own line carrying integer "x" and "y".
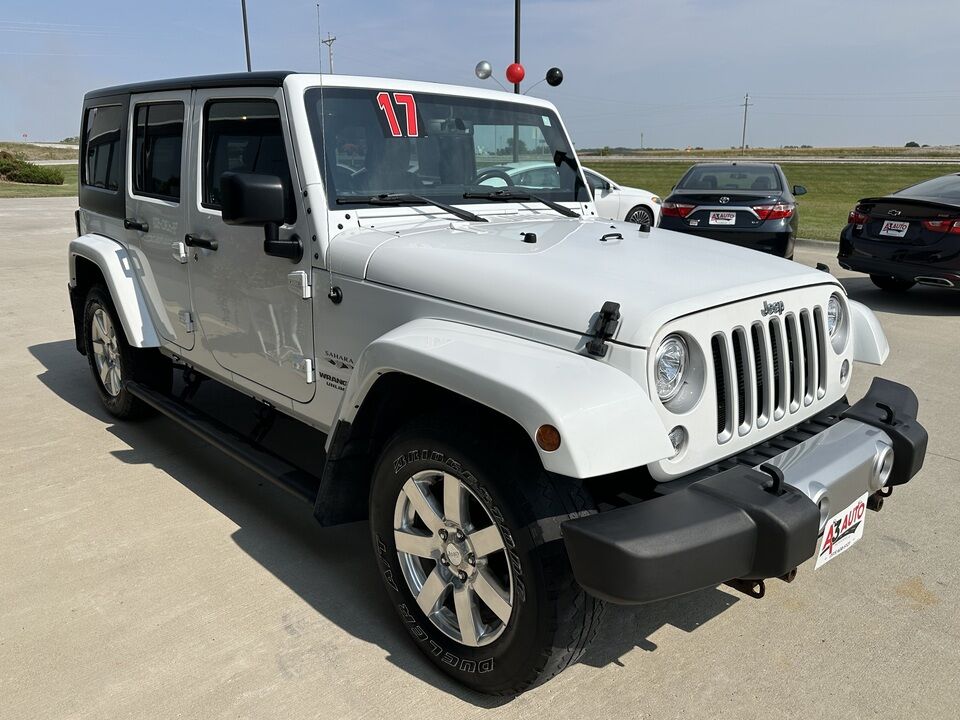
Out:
{"x": 605, "y": 419}
{"x": 869, "y": 341}
{"x": 119, "y": 271}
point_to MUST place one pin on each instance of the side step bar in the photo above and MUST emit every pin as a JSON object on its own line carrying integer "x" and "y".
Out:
{"x": 263, "y": 462}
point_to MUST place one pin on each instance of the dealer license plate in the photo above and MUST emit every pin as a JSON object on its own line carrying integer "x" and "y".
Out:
{"x": 842, "y": 531}
{"x": 723, "y": 218}
{"x": 894, "y": 228}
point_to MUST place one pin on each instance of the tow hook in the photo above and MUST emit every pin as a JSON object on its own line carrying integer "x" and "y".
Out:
{"x": 754, "y": 588}
{"x": 875, "y": 501}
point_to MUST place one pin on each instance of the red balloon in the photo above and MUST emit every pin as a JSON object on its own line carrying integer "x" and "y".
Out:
{"x": 515, "y": 73}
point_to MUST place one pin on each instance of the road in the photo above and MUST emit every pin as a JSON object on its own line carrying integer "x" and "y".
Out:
{"x": 144, "y": 575}
{"x": 783, "y": 160}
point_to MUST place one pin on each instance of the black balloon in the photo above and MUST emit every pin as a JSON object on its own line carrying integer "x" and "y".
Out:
{"x": 554, "y": 76}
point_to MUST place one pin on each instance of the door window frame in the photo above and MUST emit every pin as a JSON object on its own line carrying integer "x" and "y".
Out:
{"x": 185, "y": 97}
{"x": 201, "y": 99}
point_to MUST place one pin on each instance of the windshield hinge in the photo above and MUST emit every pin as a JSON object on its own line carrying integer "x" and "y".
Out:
{"x": 603, "y": 328}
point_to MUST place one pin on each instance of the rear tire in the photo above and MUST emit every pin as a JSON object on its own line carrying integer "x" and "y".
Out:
{"x": 509, "y": 533}
{"x": 892, "y": 284}
{"x": 113, "y": 361}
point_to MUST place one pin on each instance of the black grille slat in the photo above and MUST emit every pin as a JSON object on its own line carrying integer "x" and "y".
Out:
{"x": 721, "y": 384}
{"x": 761, "y": 394}
{"x": 741, "y": 377}
{"x": 775, "y": 351}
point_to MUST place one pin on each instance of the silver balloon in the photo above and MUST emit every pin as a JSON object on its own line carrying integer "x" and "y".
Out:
{"x": 483, "y": 70}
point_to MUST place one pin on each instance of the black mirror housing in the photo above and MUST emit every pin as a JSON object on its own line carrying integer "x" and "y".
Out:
{"x": 799, "y": 190}
{"x": 255, "y": 199}
{"x": 252, "y": 199}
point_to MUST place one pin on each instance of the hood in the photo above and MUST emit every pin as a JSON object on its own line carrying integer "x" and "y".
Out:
{"x": 563, "y": 278}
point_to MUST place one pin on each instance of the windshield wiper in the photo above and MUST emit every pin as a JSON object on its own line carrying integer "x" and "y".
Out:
{"x": 520, "y": 195}
{"x": 409, "y": 199}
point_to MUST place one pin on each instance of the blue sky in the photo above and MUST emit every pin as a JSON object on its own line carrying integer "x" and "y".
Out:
{"x": 820, "y": 72}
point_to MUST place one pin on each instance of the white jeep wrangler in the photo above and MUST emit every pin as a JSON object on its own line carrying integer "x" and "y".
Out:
{"x": 537, "y": 410}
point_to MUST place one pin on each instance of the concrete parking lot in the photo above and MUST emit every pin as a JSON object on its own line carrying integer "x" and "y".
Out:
{"x": 144, "y": 575}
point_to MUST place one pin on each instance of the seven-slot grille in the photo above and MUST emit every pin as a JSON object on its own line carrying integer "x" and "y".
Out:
{"x": 772, "y": 368}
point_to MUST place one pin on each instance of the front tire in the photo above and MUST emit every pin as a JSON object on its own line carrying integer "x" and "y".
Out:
{"x": 891, "y": 284}
{"x": 467, "y": 538}
{"x": 113, "y": 361}
{"x": 641, "y": 215}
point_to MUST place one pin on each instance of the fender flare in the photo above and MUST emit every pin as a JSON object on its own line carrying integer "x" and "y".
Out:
{"x": 869, "y": 341}
{"x": 119, "y": 270}
{"x": 605, "y": 418}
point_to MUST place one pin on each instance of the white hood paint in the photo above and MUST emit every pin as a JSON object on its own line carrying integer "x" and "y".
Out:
{"x": 564, "y": 278}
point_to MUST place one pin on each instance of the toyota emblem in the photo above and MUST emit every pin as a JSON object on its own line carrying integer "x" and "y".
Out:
{"x": 724, "y": 200}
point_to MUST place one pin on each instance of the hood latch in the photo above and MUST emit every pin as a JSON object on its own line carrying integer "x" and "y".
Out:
{"x": 603, "y": 328}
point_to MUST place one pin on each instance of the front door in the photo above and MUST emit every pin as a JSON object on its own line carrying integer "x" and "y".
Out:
{"x": 156, "y": 200}
{"x": 252, "y": 321}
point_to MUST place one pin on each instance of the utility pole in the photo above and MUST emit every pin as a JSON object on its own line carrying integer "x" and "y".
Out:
{"x": 246, "y": 33}
{"x": 743, "y": 138}
{"x": 641, "y": 140}
{"x": 329, "y": 43}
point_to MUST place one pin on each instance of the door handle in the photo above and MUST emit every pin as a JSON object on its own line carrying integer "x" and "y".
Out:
{"x": 131, "y": 224}
{"x": 205, "y": 243}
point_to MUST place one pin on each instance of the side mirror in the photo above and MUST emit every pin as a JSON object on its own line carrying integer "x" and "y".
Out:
{"x": 255, "y": 199}
{"x": 799, "y": 190}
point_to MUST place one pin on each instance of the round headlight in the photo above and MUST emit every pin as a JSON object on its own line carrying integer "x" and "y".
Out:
{"x": 670, "y": 366}
{"x": 834, "y": 315}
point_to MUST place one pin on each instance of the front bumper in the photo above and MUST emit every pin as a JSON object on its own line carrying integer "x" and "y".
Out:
{"x": 748, "y": 521}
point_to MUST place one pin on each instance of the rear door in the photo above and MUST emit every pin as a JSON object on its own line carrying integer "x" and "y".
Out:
{"x": 156, "y": 188}
{"x": 253, "y": 321}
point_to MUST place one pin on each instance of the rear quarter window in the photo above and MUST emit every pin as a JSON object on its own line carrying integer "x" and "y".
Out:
{"x": 103, "y": 153}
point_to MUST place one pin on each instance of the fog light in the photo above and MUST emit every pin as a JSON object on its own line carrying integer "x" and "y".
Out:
{"x": 844, "y": 372}
{"x": 882, "y": 467}
{"x": 678, "y": 438}
{"x": 548, "y": 438}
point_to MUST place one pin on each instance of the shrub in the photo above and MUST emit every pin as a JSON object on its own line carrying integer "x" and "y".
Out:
{"x": 912, "y": 143}
{"x": 16, "y": 169}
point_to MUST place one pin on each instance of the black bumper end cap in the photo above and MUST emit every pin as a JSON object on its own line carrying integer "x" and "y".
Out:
{"x": 892, "y": 407}
{"x": 738, "y": 524}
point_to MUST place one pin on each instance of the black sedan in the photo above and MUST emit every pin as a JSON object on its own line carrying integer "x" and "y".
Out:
{"x": 748, "y": 204}
{"x": 908, "y": 237}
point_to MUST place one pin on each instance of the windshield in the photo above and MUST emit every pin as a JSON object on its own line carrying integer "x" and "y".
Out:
{"x": 730, "y": 177}
{"x": 945, "y": 189}
{"x": 438, "y": 146}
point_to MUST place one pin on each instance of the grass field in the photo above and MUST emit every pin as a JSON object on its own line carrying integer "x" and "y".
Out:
{"x": 35, "y": 152}
{"x": 833, "y": 190}
{"x": 30, "y": 190}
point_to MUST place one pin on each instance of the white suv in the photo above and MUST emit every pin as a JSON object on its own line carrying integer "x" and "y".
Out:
{"x": 537, "y": 410}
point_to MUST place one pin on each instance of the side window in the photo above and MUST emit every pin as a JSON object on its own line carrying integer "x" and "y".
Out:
{"x": 595, "y": 182}
{"x": 243, "y": 136}
{"x": 101, "y": 162}
{"x": 157, "y": 142}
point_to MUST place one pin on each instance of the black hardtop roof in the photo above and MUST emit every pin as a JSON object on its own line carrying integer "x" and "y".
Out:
{"x": 265, "y": 78}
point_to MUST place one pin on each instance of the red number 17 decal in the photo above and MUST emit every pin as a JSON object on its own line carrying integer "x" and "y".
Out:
{"x": 405, "y": 99}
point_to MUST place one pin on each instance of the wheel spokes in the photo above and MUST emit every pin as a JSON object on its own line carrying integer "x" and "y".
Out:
{"x": 420, "y": 545}
{"x": 466, "y": 608}
{"x": 486, "y": 541}
{"x": 423, "y": 505}
{"x": 104, "y": 369}
{"x": 454, "y": 500}
{"x": 432, "y": 592}
{"x": 488, "y": 589}
{"x": 101, "y": 328}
